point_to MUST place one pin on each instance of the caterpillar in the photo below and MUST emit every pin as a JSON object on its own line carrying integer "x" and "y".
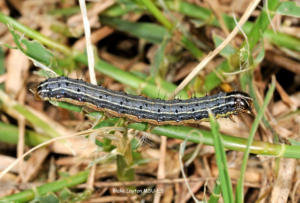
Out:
{"x": 141, "y": 109}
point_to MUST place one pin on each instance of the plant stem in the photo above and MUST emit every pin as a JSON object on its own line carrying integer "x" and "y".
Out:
{"x": 28, "y": 195}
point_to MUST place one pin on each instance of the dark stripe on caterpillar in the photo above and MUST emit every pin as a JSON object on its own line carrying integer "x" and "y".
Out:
{"x": 142, "y": 109}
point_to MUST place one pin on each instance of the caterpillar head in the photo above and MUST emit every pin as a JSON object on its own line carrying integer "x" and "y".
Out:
{"x": 243, "y": 102}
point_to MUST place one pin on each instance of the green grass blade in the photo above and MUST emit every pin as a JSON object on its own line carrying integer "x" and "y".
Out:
{"x": 68, "y": 106}
{"x": 124, "y": 160}
{"x": 10, "y": 134}
{"x": 189, "y": 45}
{"x": 2, "y": 67}
{"x": 254, "y": 35}
{"x": 140, "y": 30}
{"x": 212, "y": 80}
{"x": 288, "y": 8}
{"x": 158, "y": 62}
{"x": 261, "y": 23}
{"x": 169, "y": 87}
{"x": 67, "y": 11}
{"x": 191, "y": 10}
{"x": 216, "y": 193}
{"x": 34, "y": 34}
{"x": 229, "y": 142}
{"x": 227, "y": 51}
{"x": 27, "y": 195}
{"x": 122, "y": 7}
{"x": 9, "y": 104}
{"x": 128, "y": 78}
{"x": 157, "y": 13}
{"x": 180, "y": 132}
{"x": 34, "y": 49}
{"x": 226, "y": 186}
{"x": 101, "y": 66}
{"x": 240, "y": 185}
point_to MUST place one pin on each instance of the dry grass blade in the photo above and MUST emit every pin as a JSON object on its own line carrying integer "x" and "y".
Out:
{"x": 211, "y": 55}
{"x": 83, "y": 133}
{"x": 89, "y": 46}
{"x": 281, "y": 189}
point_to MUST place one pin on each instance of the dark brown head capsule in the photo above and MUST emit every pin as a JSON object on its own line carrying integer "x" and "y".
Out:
{"x": 243, "y": 102}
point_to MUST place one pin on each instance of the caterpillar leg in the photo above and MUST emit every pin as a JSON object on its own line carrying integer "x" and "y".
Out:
{"x": 231, "y": 118}
{"x": 99, "y": 116}
{"x": 149, "y": 128}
